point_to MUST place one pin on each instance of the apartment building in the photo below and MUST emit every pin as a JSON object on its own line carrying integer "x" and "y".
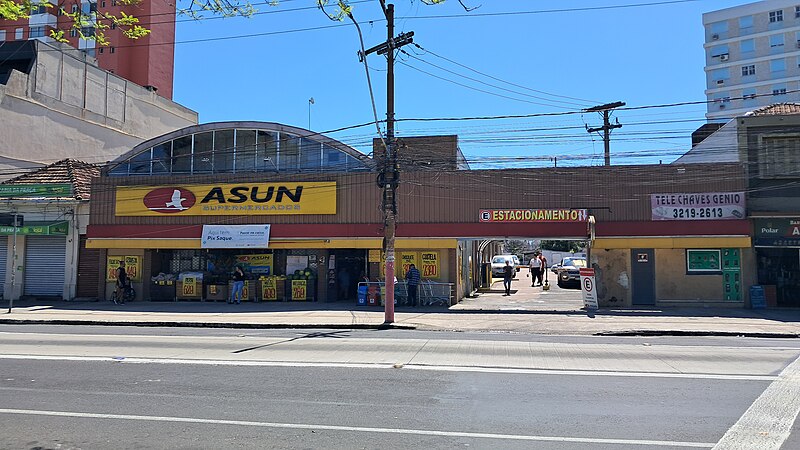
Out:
{"x": 752, "y": 57}
{"x": 148, "y": 61}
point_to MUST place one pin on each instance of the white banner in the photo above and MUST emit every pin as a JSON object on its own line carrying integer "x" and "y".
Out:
{"x": 235, "y": 236}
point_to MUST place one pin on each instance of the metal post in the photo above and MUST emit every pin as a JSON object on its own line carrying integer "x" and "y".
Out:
{"x": 13, "y": 267}
{"x": 310, "y": 102}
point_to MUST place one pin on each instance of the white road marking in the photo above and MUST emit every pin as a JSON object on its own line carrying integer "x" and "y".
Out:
{"x": 435, "y": 368}
{"x": 303, "y": 426}
{"x": 768, "y": 422}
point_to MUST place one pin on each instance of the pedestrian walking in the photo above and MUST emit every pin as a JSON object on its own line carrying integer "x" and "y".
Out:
{"x": 412, "y": 281}
{"x": 508, "y": 274}
{"x": 535, "y": 266}
{"x": 238, "y": 286}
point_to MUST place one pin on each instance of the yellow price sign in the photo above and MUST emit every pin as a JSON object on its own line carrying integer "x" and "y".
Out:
{"x": 430, "y": 264}
{"x": 299, "y": 289}
{"x": 113, "y": 263}
{"x": 189, "y": 287}
{"x": 132, "y": 267}
{"x": 268, "y": 289}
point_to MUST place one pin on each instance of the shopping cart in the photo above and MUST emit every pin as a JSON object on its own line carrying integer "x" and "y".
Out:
{"x": 433, "y": 293}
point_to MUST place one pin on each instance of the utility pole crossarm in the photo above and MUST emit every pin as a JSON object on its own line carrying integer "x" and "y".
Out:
{"x": 605, "y": 111}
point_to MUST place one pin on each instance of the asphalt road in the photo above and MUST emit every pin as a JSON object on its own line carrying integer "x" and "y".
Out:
{"x": 94, "y": 387}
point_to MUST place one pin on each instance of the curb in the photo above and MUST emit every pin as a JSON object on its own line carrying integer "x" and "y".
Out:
{"x": 633, "y": 333}
{"x": 338, "y": 326}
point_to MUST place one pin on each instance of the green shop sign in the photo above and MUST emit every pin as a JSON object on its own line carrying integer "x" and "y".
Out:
{"x": 38, "y": 229}
{"x": 703, "y": 261}
{"x": 35, "y": 190}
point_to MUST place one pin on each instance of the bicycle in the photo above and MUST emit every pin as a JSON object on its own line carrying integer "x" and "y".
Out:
{"x": 128, "y": 294}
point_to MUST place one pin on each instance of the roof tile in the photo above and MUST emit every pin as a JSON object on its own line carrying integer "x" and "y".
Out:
{"x": 69, "y": 171}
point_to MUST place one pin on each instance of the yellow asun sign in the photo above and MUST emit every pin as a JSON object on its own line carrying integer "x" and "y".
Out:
{"x": 281, "y": 198}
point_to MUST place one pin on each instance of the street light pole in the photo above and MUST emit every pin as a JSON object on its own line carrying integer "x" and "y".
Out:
{"x": 310, "y": 102}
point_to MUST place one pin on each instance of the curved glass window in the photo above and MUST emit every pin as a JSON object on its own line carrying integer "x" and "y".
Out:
{"x": 227, "y": 150}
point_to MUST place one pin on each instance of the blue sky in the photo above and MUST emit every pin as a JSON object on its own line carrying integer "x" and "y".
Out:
{"x": 577, "y": 57}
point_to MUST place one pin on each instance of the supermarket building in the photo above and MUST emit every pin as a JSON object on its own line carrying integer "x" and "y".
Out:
{"x": 190, "y": 201}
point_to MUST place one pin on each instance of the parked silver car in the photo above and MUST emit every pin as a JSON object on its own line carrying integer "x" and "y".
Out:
{"x": 569, "y": 270}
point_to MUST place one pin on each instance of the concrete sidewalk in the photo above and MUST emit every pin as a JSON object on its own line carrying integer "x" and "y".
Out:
{"x": 770, "y": 322}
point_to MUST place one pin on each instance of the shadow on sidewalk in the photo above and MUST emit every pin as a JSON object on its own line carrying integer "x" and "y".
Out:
{"x": 196, "y": 307}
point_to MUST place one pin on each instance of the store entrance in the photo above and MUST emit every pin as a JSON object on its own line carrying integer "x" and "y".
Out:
{"x": 779, "y": 269}
{"x": 350, "y": 267}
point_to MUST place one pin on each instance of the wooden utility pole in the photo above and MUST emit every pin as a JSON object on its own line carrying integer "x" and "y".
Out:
{"x": 605, "y": 111}
{"x": 389, "y": 176}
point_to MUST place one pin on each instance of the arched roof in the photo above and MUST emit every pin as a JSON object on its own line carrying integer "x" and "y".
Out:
{"x": 215, "y": 147}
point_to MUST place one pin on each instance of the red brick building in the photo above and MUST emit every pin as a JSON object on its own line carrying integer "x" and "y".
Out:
{"x": 148, "y": 61}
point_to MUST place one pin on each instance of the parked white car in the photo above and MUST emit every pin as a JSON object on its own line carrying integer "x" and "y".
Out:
{"x": 499, "y": 263}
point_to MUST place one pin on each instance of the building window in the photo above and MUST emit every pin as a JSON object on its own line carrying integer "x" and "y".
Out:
{"x": 2, "y": 35}
{"x": 749, "y": 94}
{"x": 746, "y": 23}
{"x": 719, "y": 30}
{"x": 87, "y": 31}
{"x": 720, "y": 75}
{"x": 18, "y": 34}
{"x": 705, "y": 261}
{"x": 779, "y": 91}
{"x": 721, "y": 51}
{"x": 101, "y": 49}
{"x": 748, "y": 70}
{"x": 73, "y": 32}
{"x": 104, "y": 4}
{"x": 74, "y": 8}
{"x": 38, "y": 9}
{"x": 777, "y": 65}
{"x": 797, "y": 12}
{"x": 780, "y": 156}
{"x": 36, "y": 32}
{"x": 113, "y": 25}
{"x": 747, "y": 46}
{"x": 112, "y": 50}
{"x": 776, "y": 16}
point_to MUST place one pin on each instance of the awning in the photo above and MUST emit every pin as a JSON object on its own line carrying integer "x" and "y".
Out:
{"x": 273, "y": 243}
{"x": 58, "y": 228}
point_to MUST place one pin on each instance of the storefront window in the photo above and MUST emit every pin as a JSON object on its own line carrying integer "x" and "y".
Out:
{"x": 140, "y": 164}
{"x": 182, "y": 155}
{"x": 161, "y": 158}
{"x": 223, "y": 151}
{"x": 245, "y": 150}
{"x": 203, "y": 152}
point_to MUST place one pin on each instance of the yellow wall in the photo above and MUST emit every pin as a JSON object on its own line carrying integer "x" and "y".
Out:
{"x": 672, "y": 282}
{"x": 613, "y": 277}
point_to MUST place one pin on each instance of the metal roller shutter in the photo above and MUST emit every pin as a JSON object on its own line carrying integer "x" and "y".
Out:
{"x": 44, "y": 265}
{"x": 88, "y": 270}
{"x": 3, "y": 262}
